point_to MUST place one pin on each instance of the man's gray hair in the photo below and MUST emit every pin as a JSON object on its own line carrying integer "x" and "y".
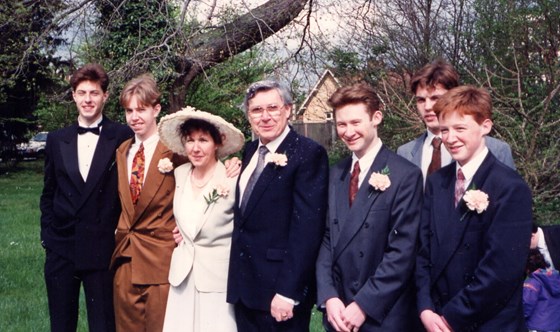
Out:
{"x": 266, "y": 85}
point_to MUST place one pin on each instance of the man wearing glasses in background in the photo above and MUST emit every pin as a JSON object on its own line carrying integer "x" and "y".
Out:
{"x": 280, "y": 214}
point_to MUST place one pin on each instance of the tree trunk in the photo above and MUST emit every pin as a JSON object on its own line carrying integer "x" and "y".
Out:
{"x": 218, "y": 44}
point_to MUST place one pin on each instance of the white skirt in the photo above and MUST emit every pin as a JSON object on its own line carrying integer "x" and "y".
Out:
{"x": 194, "y": 311}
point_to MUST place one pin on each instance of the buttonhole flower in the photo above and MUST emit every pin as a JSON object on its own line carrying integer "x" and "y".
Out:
{"x": 279, "y": 159}
{"x": 165, "y": 165}
{"x": 476, "y": 200}
{"x": 380, "y": 180}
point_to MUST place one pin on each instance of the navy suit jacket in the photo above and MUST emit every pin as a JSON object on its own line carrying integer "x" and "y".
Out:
{"x": 412, "y": 150}
{"x": 78, "y": 219}
{"x": 552, "y": 240}
{"x": 369, "y": 250}
{"x": 276, "y": 239}
{"x": 470, "y": 266}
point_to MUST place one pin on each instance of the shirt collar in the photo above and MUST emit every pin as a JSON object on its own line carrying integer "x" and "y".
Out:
{"x": 273, "y": 145}
{"x": 368, "y": 158}
{"x": 93, "y": 125}
{"x": 472, "y": 166}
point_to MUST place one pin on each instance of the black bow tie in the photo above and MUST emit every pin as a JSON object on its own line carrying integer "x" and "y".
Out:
{"x": 83, "y": 130}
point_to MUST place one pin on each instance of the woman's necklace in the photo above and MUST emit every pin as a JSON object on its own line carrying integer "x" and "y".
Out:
{"x": 205, "y": 179}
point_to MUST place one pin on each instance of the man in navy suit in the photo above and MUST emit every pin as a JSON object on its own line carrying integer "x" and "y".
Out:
{"x": 475, "y": 228}
{"x": 366, "y": 261}
{"x": 279, "y": 219}
{"x": 428, "y": 85}
{"x": 80, "y": 207}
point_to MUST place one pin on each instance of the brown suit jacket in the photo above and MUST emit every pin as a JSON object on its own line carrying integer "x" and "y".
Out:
{"x": 144, "y": 232}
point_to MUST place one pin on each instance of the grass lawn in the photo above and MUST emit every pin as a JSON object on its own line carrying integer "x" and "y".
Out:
{"x": 23, "y": 299}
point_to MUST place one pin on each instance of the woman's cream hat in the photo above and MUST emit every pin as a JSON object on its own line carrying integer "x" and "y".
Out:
{"x": 169, "y": 126}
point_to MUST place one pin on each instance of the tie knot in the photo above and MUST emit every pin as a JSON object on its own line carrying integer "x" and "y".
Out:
{"x": 436, "y": 143}
{"x": 141, "y": 147}
{"x": 356, "y": 168}
{"x": 460, "y": 175}
{"x": 263, "y": 150}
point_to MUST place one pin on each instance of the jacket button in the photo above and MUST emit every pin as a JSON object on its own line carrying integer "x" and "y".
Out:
{"x": 361, "y": 254}
{"x": 366, "y": 225}
{"x": 152, "y": 233}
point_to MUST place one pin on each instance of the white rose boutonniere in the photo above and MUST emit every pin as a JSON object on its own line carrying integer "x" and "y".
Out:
{"x": 380, "y": 180}
{"x": 476, "y": 200}
{"x": 279, "y": 159}
{"x": 165, "y": 165}
{"x": 215, "y": 194}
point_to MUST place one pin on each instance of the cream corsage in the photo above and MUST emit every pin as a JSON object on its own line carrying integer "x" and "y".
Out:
{"x": 279, "y": 159}
{"x": 215, "y": 194}
{"x": 380, "y": 180}
{"x": 165, "y": 165}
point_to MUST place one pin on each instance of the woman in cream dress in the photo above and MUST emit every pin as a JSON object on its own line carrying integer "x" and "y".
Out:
{"x": 203, "y": 209}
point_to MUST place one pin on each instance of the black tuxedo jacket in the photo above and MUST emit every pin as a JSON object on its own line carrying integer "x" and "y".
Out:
{"x": 470, "y": 265}
{"x": 369, "y": 250}
{"x": 78, "y": 219}
{"x": 276, "y": 239}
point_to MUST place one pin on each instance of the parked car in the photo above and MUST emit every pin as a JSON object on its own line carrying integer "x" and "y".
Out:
{"x": 36, "y": 146}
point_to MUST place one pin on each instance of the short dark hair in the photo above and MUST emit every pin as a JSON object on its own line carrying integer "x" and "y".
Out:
{"x": 192, "y": 125}
{"x": 355, "y": 94}
{"x": 432, "y": 74}
{"x": 91, "y": 72}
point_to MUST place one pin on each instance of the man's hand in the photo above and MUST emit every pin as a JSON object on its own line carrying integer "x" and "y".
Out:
{"x": 177, "y": 235}
{"x": 335, "y": 307}
{"x": 280, "y": 309}
{"x": 353, "y": 316}
{"x": 434, "y": 322}
{"x": 233, "y": 167}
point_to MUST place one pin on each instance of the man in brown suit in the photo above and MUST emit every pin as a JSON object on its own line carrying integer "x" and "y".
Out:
{"x": 144, "y": 239}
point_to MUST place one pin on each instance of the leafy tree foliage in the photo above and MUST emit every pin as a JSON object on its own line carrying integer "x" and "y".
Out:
{"x": 28, "y": 63}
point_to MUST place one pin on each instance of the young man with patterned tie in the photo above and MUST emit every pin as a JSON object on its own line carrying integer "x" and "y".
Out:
{"x": 144, "y": 239}
{"x": 475, "y": 228}
{"x": 80, "y": 207}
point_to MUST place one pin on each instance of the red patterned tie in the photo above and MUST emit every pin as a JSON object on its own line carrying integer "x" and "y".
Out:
{"x": 354, "y": 182}
{"x": 435, "y": 164}
{"x": 459, "y": 186}
{"x": 137, "y": 174}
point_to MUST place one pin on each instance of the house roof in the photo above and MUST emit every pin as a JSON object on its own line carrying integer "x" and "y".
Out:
{"x": 326, "y": 74}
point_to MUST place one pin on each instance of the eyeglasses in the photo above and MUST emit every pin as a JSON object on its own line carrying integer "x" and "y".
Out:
{"x": 273, "y": 110}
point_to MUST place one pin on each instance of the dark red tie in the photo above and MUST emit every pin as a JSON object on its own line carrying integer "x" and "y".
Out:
{"x": 354, "y": 178}
{"x": 435, "y": 164}
{"x": 137, "y": 174}
{"x": 459, "y": 186}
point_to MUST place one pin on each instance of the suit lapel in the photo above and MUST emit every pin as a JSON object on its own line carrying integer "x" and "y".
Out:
{"x": 269, "y": 173}
{"x": 250, "y": 150}
{"x": 69, "y": 153}
{"x": 124, "y": 187}
{"x": 219, "y": 178}
{"x": 361, "y": 206}
{"x": 451, "y": 223}
{"x": 417, "y": 149}
{"x": 101, "y": 159}
{"x": 152, "y": 181}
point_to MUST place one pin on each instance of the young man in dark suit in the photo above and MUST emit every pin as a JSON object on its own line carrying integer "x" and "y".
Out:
{"x": 475, "y": 229}
{"x": 279, "y": 218}
{"x": 428, "y": 85}
{"x": 366, "y": 261}
{"x": 80, "y": 207}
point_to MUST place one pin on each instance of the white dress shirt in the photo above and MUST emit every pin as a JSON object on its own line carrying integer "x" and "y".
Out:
{"x": 366, "y": 161}
{"x": 472, "y": 166}
{"x": 87, "y": 143}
